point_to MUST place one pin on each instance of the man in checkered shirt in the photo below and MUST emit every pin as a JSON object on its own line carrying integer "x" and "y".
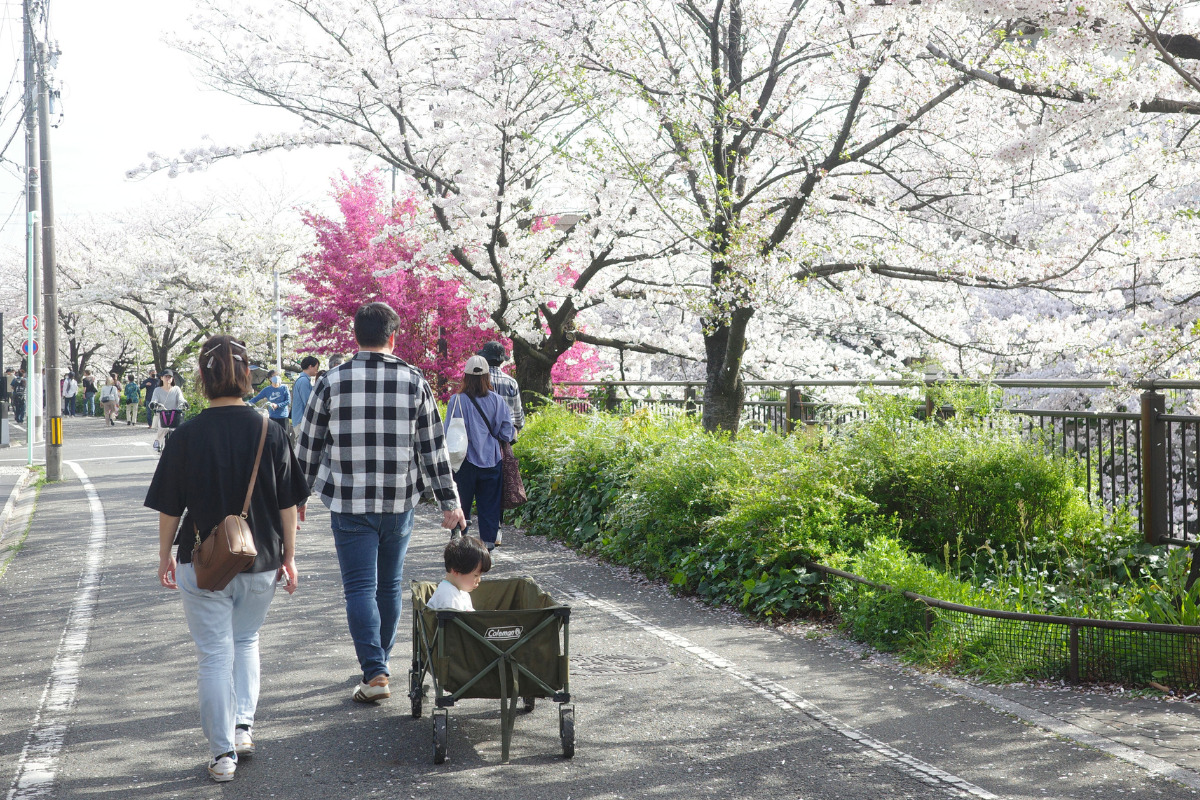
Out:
{"x": 371, "y": 434}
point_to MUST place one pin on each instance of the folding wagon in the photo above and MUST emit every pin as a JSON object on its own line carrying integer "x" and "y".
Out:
{"x": 513, "y": 645}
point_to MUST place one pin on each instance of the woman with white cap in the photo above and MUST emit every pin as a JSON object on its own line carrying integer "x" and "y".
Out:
{"x": 488, "y": 421}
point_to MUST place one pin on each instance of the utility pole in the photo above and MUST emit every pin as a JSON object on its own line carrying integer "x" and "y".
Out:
{"x": 278, "y": 328}
{"x": 35, "y": 385}
{"x": 54, "y": 440}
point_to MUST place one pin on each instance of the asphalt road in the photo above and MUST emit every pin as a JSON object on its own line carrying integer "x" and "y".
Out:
{"x": 673, "y": 700}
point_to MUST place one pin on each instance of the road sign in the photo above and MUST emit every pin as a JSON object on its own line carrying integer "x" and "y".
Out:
{"x": 25, "y": 322}
{"x": 26, "y": 345}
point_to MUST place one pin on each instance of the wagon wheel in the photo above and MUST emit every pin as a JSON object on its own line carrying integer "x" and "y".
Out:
{"x": 439, "y": 736}
{"x": 415, "y": 690}
{"x": 566, "y": 729}
{"x": 527, "y": 703}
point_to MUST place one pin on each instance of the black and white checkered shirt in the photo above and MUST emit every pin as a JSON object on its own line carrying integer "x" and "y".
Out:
{"x": 372, "y": 436}
{"x": 506, "y": 386}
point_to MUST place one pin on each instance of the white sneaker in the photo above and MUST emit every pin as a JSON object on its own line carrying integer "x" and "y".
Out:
{"x": 243, "y": 745}
{"x": 221, "y": 768}
{"x": 374, "y": 691}
{"x": 499, "y": 536}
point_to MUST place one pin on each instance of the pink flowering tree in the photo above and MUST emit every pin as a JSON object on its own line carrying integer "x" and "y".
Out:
{"x": 372, "y": 253}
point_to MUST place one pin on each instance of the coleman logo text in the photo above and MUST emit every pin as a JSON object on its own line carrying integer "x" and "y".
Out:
{"x": 503, "y": 634}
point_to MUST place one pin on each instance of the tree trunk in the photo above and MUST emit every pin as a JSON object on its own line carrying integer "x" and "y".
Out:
{"x": 724, "y": 391}
{"x": 533, "y": 372}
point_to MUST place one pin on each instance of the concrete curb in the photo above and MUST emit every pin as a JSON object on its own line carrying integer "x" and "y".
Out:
{"x": 10, "y": 507}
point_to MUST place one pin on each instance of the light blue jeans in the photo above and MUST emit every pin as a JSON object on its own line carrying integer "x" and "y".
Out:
{"x": 370, "y": 550}
{"x": 225, "y": 626}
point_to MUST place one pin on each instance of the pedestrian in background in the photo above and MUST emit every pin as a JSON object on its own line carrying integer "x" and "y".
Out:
{"x": 278, "y": 399}
{"x": 488, "y": 420}
{"x": 19, "y": 384}
{"x": 302, "y": 388}
{"x": 148, "y": 386}
{"x": 503, "y": 384}
{"x": 88, "y": 386}
{"x": 70, "y": 389}
{"x": 133, "y": 396}
{"x": 110, "y": 398}
{"x": 169, "y": 402}
{"x": 370, "y": 429}
{"x": 506, "y": 386}
{"x": 203, "y": 476}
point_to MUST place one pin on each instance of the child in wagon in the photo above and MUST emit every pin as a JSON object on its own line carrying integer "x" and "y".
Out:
{"x": 467, "y": 558}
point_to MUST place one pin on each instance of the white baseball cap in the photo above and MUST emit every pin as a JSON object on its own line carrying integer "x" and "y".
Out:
{"x": 476, "y": 365}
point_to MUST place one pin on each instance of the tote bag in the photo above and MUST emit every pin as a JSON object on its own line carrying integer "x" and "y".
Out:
{"x": 512, "y": 488}
{"x": 456, "y": 439}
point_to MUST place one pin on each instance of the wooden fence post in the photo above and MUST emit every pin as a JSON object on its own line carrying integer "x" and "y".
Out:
{"x": 689, "y": 400}
{"x": 1155, "y": 487}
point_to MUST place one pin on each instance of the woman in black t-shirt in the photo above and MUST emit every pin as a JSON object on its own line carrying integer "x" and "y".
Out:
{"x": 202, "y": 477}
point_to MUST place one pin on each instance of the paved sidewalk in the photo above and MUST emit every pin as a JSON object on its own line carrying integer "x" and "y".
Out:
{"x": 674, "y": 700}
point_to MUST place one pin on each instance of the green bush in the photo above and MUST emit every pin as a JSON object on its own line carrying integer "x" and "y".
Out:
{"x": 989, "y": 486}
{"x": 574, "y": 467}
{"x": 734, "y": 521}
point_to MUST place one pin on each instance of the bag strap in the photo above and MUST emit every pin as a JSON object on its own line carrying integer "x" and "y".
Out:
{"x": 485, "y": 420}
{"x": 262, "y": 440}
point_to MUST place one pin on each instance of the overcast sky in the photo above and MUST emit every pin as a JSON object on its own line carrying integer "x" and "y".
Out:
{"x": 125, "y": 93}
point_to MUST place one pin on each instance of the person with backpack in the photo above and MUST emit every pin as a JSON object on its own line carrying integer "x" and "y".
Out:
{"x": 488, "y": 421}
{"x": 110, "y": 398}
{"x": 88, "y": 385}
{"x": 133, "y": 397}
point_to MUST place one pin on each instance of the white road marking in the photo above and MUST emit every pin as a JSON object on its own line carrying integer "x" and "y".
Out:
{"x": 38, "y": 764}
{"x": 790, "y": 701}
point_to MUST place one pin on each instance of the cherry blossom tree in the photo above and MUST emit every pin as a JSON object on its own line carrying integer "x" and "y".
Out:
{"x": 474, "y": 116}
{"x": 844, "y": 182}
{"x": 373, "y": 253}
{"x": 1108, "y": 94}
{"x": 155, "y": 281}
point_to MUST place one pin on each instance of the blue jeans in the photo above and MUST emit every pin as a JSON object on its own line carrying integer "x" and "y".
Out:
{"x": 483, "y": 486}
{"x": 370, "y": 550}
{"x": 225, "y": 626}
{"x": 89, "y": 403}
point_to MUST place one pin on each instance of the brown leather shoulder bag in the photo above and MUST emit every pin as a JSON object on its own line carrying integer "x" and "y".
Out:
{"x": 229, "y": 547}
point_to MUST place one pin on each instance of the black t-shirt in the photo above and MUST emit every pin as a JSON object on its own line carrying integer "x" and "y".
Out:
{"x": 205, "y": 470}
{"x": 18, "y": 386}
{"x": 89, "y": 385}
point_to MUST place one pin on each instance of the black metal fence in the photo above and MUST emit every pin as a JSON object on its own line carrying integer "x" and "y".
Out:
{"x": 1076, "y": 649}
{"x": 1147, "y": 461}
